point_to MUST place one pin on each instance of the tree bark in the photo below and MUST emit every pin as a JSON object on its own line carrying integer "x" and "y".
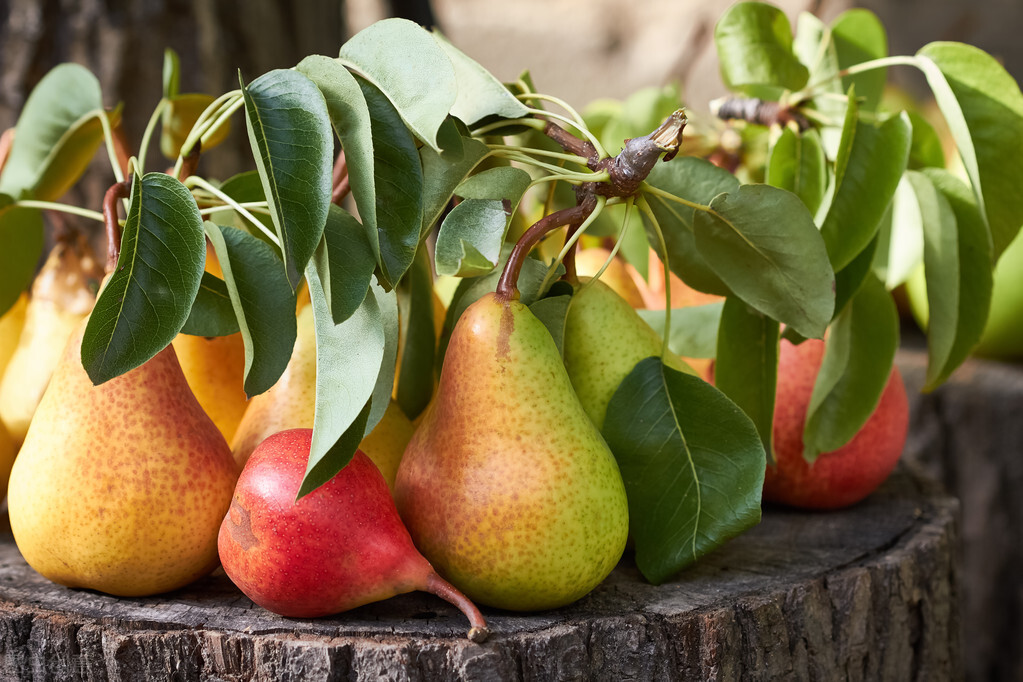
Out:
{"x": 867, "y": 593}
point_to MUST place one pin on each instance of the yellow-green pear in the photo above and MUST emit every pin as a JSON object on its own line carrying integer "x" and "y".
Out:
{"x": 215, "y": 369}
{"x": 11, "y": 324}
{"x": 506, "y": 486}
{"x": 62, "y": 294}
{"x": 604, "y": 340}
{"x": 120, "y": 487}
{"x": 291, "y": 404}
{"x": 618, "y": 274}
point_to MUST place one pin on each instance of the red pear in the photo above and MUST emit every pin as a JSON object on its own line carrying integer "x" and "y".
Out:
{"x": 848, "y": 474}
{"x": 341, "y": 546}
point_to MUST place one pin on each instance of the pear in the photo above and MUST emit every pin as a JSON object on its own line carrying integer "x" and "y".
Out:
{"x": 11, "y": 324}
{"x": 291, "y": 404}
{"x": 62, "y": 294}
{"x": 604, "y": 340}
{"x": 120, "y": 487}
{"x": 506, "y": 487}
{"x": 618, "y": 275}
{"x": 215, "y": 370}
{"x": 339, "y": 547}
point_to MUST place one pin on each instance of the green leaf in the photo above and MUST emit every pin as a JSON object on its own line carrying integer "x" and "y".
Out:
{"x": 263, "y": 302}
{"x": 754, "y": 46}
{"x": 57, "y": 134}
{"x": 694, "y": 329}
{"x": 926, "y": 150}
{"x": 797, "y": 163}
{"x": 692, "y": 464}
{"x": 348, "y": 361}
{"x": 696, "y": 180}
{"x": 480, "y": 94}
{"x": 983, "y": 106}
{"x": 849, "y": 279}
{"x": 858, "y": 358}
{"x": 147, "y": 299}
{"x": 349, "y": 114}
{"x": 212, "y": 313}
{"x": 408, "y": 65}
{"x": 442, "y": 174}
{"x": 349, "y": 265}
{"x": 171, "y": 73}
{"x": 859, "y": 36}
{"x": 970, "y": 275}
{"x": 387, "y": 303}
{"x": 398, "y": 176}
{"x": 245, "y": 187}
{"x": 179, "y": 117}
{"x": 552, "y": 311}
{"x": 746, "y": 365}
{"x": 871, "y": 160}
{"x": 415, "y": 305}
{"x": 900, "y": 247}
{"x": 289, "y": 131}
{"x": 504, "y": 182}
{"x": 21, "y": 233}
{"x": 762, "y": 242}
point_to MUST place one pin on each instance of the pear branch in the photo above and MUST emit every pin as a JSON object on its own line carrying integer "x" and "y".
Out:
{"x": 190, "y": 162}
{"x": 118, "y": 190}
{"x": 478, "y": 630}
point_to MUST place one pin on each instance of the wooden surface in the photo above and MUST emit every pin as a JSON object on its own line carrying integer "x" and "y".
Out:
{"x": 868, "y": 593}
{"x": 968, "y": 434}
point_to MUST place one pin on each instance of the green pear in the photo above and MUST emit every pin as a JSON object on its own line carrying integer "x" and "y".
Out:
{"x": 120, "y": 487}
{"x": 604, "y": 340}
{"x": 506, "y": 487}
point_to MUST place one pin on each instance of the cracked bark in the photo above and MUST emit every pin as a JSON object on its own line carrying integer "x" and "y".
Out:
{"x": 864, "y": 593}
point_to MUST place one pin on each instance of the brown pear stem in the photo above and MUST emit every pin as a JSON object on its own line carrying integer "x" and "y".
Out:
{"x": 118, "y": 190}
{"x": 478, "y": 630}
{"x": 506, "y": 286}
{"x": 191, "y": 161}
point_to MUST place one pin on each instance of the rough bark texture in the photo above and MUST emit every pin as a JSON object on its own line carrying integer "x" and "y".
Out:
{"x": 868, "y": 593}
{"x": 968, "y": 434}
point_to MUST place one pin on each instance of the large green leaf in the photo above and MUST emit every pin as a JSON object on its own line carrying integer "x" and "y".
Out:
{"x": 349, "y": 265}
{"x": 348, "y": 360}
{"x": 480, "y": 94}
{"x": 797, "y": 163}
{"x": 57, "y": 134}
{"x": 858, "y": 358}
{"x": 859, "y": 36}
{"x": 754, "y": 47}
{"x": 349, "y": 115}
{"x": 699, "y": 181}
{"x": 263, "y": 302}
{"x": 419, "y": 350}
{"x": 180, "y": 116}
{"x": 694, "y": 329}
{"x": 212, "y": 313}
{"x": 442, "y": 174}
{"x": 409, "y": 66}
{"x": 970, "y": 278}
{"x": 387, "y": 303}
{"x": 762, "y": 242}
{"x": 398, "y": 178}
{"x": 983, "y": 106}
{"x": 746, "y": 365}
{"x": 21, "y": 233}
{"x": 289, "y": 131}
{"x": 692, "y": 464}
{"x": 901, "y": 242}
{"x": 870, "y": 163}
{"x": 147, "y": 298}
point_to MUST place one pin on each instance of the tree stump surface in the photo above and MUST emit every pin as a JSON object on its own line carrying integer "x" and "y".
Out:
{"x": 968, "y": 434}
{"x": 867, "y": 593}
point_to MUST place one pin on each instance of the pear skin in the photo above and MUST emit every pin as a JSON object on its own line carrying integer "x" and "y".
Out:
{"x": 120, "y": 487}
{"x": 62, "y": 295}
{"x": 506, "y": 487}
{"x": 604, "y": 340}
{"x": 215, "y": 369}
{"x": 386, "y": 443}
{"x": 11, "y": 324}
{"x": 618, "y": 275}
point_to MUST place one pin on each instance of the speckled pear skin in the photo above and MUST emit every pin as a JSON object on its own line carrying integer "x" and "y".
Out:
{"x": 121, "y": 487}
{"x": 507, "y": 487}
{"x": 604, "y": 340}
{"x": 215, "y": 369}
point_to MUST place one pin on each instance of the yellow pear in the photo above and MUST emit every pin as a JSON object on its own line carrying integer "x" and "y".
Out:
{"x": 120, "y": 487}
{"x": 291, "y": 404}
{"x": 215, "y": 370}
{"x": 62, "y": 294}
{"x": 11, "y": 324}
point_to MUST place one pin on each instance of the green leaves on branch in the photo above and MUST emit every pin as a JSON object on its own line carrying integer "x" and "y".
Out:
{"x": 754, "y": 46}
{"x": 147, "y": 298}
{"x": 692, "y": 463}
{"x": 21, "y": 233}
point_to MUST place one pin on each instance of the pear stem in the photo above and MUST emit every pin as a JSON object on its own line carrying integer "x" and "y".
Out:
{"x": 506, "y": 286}
{"x": 190, "y": 162}
{"x": 478, "y": 630}
{"x": 118, "y": 190}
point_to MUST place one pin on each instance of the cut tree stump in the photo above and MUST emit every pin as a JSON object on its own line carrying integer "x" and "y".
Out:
{"x": 867, "y": 593}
